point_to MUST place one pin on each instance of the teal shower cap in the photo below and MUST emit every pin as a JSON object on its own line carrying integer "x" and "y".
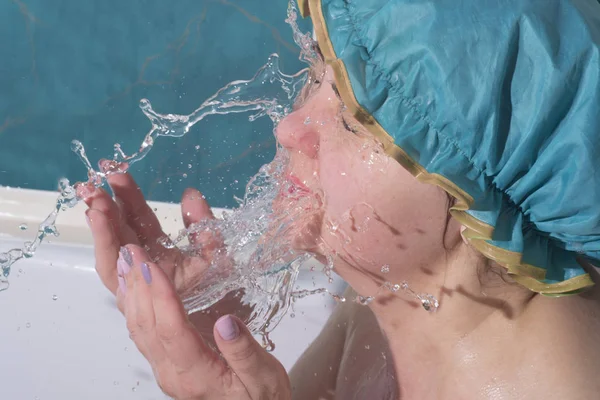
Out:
{"x": 498, "y": 103}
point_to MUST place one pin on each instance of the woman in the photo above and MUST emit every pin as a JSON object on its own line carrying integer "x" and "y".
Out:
{"x": 454, "y": 146}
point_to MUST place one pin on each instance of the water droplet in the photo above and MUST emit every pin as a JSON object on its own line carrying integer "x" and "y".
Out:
{"x": 364, "y": 301}
{"x": 28, "y": 325}
{"x": 385, "y": 269}
{"x": 133, "y": 389}
{"x": 189, "y": 166}
{"x": 166, "y": 242}
{"x": 367, "y": 347}
{"x": 292, "y": 315}
{"x": 23, "y": 227}
{"x": 429, "y": 302}
{"x": 197, "y": 147}
{"x": 115, "y": 383}
{"x": 338, "y": 298}
{"x": 307, "y": 121}
{"x": 54, "y": 297}
{"x": 426, "y": 304}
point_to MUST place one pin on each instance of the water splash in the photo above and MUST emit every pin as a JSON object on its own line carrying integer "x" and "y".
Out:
{"x": 265, "y": 270}
{"x": 258, "y": 257}
{"x": 270, "y": 93}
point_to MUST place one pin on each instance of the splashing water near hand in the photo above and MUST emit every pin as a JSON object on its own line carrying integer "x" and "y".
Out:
{"x": 270, "y": 93}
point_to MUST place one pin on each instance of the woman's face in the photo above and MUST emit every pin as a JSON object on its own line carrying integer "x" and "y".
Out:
{"x": 371, "y": 212}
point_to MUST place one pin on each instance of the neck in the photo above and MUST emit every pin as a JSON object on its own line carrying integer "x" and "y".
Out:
{"x": 474, "y": 303}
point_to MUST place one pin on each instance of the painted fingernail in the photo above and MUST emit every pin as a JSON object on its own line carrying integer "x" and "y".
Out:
{"x": 122, "y": 267}
{"x": 146, "y": 273}
{"x": 126, "y": 255}
{"x": 228, "y": 328}
{"x": 122, "y": 264}
{"x": 122, "y": 284}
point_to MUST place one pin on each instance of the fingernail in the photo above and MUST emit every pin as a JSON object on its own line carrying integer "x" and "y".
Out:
{"x": 227, "y": 327}
{"x": 122, "y": 284}
{"x": 122, "y": 267}
{"x": 146, "y": 273}
{"x": 126, "y": 255}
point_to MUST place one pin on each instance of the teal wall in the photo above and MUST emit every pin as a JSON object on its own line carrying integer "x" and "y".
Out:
{"x": 74, "y": 69}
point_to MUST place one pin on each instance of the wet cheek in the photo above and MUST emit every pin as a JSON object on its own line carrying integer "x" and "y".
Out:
{"x": 339, "y": 188}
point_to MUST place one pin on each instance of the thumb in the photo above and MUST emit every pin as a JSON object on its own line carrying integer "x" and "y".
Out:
{"x": 262, "y": 375}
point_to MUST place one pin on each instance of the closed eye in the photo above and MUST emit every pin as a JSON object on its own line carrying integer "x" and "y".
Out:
{"x": 348, "y": 127}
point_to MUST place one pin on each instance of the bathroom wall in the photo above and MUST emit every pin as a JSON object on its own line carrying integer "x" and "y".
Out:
{"x": 77, "y": 70}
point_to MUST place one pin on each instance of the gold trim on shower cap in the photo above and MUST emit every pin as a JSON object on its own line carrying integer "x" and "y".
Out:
{"x": 477, "y": 232}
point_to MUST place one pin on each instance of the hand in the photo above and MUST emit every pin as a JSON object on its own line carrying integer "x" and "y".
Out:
{"x": 183, "y": 363}
{"x": 128, "y": 219}
{"x": 184, "y": 366}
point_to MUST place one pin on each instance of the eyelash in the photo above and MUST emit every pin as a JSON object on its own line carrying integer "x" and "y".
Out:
{"x": 348, "y": 127}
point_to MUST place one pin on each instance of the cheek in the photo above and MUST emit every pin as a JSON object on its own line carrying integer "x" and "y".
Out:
{"x": 340, "y": 182}
{"x": 382, "y": 218}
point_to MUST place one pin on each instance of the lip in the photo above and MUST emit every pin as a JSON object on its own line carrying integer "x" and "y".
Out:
{"x": 297, "y": 187}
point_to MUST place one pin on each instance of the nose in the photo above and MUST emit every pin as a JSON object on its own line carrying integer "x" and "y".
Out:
{"x": 297, "y": 133}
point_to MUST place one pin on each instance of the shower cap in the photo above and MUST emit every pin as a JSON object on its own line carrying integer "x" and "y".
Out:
{"x": 496, "y": 102}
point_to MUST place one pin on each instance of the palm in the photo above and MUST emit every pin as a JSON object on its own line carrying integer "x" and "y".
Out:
{"x": 132, "y": 221}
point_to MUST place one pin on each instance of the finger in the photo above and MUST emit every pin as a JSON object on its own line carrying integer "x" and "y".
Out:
{"x": 139, "y": 312}
{"x": 195, "y": 208}
{"x": 101, "y": 200}
{"x": 261, "y": 374}
{"x": 186, "y": 349}
{"x": 189, "y": 368}
{"x": 121, "y": 297}
{"x": 106, "y": 247}
{"x": 128, "y": 235}
{"x": 139, "y": 215}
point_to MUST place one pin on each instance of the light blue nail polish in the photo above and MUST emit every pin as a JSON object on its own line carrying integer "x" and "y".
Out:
{"x": 146, "y": 273}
